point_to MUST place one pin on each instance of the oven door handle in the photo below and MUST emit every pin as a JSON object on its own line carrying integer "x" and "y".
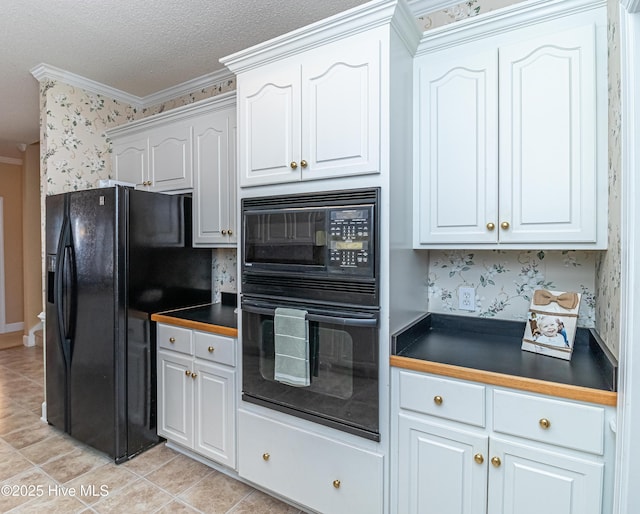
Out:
{"x": 341, "y": 320}
{"x": 352, "y": 322}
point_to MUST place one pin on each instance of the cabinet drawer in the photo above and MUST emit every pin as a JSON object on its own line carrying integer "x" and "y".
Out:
{"x": 323, "y": 474}
{"x": 556, "y": 422}
{"x": 215, "y": 348}
{"x": 175, "y": 338}
{"x": 445, "y": 398}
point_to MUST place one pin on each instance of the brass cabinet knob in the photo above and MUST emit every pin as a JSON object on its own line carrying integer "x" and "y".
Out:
{"x": 491, "y": 226}
{"x": 544, "y": 423}
{"x": 172, "y": 340}
{"x": 504, "y": 225}
{"x": 210, "y": 349}
{"x": 188, "y": 373}
{"x": 230, "y": 232}
{"x": 479, "y": 458}
{"x": 437, "y": 400}
{"x": 496, "y": 461}
{"x": 265, "y": 456}
{"x": 303, "y": 163}
{"x": 293, "y": 165}
{"x": 194, "y": 375}
{"x": 224, "y": 232}
{"x": 336, "y": 484}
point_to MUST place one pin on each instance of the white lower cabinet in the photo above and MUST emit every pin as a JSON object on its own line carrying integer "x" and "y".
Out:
{"x": 534, "y": 453}
{"x": 308, "y": 468}
{"x": 196, "y": 392}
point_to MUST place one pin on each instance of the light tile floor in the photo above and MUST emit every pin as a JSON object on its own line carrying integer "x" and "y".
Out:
{"x": 40, "y": 466}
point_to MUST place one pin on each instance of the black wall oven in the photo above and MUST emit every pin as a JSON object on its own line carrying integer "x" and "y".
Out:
{"x": 313, "y": 255}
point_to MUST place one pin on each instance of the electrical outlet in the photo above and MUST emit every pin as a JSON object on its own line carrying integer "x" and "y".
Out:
{"x": 467, "y": 298}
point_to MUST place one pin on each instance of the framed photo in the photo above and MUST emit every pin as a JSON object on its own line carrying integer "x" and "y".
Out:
{"x": 551, "y": 323}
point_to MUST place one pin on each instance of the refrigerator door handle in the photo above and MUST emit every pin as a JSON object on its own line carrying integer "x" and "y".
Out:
{"x": 65, "y": 290}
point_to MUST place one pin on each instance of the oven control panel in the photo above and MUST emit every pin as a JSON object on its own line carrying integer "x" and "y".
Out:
{"x": 350, "y": 241}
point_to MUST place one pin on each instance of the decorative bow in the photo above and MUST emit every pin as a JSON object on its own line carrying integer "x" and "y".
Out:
{"x": 565, "y": 300}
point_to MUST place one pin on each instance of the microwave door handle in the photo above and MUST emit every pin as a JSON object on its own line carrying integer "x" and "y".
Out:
{"x": 352, "y": 322}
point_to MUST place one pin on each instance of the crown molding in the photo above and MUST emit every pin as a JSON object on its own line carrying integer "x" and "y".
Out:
{"x": 188, "y": 87}
{"x": 372, "y": 14}
{"x": 10, "y": 160}
{"x": 631, "y": 6}
{"x": 45, "y": 71}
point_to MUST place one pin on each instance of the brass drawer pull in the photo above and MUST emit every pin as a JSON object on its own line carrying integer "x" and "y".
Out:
{"x": 336, "y": 484}
{"x": 437, "y": 400}
{"x": 188, "y": 373}
{"x": 210, "y": 349}
{"x": 265, "y": 456}
{"x": 544, "y": 423}
{"x": 479, "y": 458}
{"x": 194, "y": 375}
{"x": 496, "y": 461}
{"x": 172, "y": 340}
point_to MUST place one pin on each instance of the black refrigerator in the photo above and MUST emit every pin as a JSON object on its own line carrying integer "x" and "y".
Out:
{"x": 114, "y": 256}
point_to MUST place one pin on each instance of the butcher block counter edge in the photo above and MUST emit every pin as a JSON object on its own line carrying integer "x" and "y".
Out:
{"x": 585, "y": 394}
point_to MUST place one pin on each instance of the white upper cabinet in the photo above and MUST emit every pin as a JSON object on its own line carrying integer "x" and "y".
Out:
{"x": 313, "y": 115}
{"x": 214, "y": 193}
{"x": 510, "y": 142}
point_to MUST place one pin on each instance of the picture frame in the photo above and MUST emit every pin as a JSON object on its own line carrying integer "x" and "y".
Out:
{"x": 551, "y": 324}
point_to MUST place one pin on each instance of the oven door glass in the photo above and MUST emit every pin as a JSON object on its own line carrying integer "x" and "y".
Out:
{"x": 343, "y": 366}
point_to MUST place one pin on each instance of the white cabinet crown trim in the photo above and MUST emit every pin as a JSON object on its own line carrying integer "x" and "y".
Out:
{"x": 359, "y": 19}
{"x": 213, "y": 103}
{"x": 502, "y": 20}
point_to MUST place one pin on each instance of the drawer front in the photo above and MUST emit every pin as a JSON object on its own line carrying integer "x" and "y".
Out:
{"x": 442, "y": 397}
{"x": 309, "y": 469}
{"x": 175, "y": 338}
{"x": 215, "y": 348}
{"x": 557, "y": 422}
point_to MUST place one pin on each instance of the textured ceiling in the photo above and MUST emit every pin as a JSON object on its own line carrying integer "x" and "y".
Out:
{"x": 137, "y": 46}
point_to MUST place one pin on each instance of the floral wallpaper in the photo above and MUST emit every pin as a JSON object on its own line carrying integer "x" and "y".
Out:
{"x": 460, "y": 12}
{"x": 504, "y": 281}
{"x": 608, "y": 269}
{"x": 225, "y": 274}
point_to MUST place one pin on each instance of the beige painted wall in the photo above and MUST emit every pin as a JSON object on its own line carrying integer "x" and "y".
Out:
{"x": 11, "y": 192}
{"x": 31, "y": 243}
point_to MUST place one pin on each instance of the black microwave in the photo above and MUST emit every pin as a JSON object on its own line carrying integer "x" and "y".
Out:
{"x": 312, "y": 241}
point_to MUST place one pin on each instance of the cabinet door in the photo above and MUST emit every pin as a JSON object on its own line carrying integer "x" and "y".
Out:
{"x": 529, "y": 480}
{"x": 130, "y": 160}
{"x": 170, "y": 166}
{"x": 441, "y": 469}
{"x": 548, "y": 151}
{"x": 214, "y": 179}
{"x": 215, "y": 413}
{"x": 456, "y": 146}
{"x": 341, "y": 108}
{"x": 175, "y": 397}
{"x": 269, "y": 118}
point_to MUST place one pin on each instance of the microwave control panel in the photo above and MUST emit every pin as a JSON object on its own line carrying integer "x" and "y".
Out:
{"x": 350, "y": 241}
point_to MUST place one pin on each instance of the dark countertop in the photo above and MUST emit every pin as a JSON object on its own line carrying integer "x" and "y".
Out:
{"x": 217, "y": 318}
{"x": 492, "y": 349}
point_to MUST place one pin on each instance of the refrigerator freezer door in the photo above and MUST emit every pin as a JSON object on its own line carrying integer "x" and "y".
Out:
{"x": 56, "y": 386}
